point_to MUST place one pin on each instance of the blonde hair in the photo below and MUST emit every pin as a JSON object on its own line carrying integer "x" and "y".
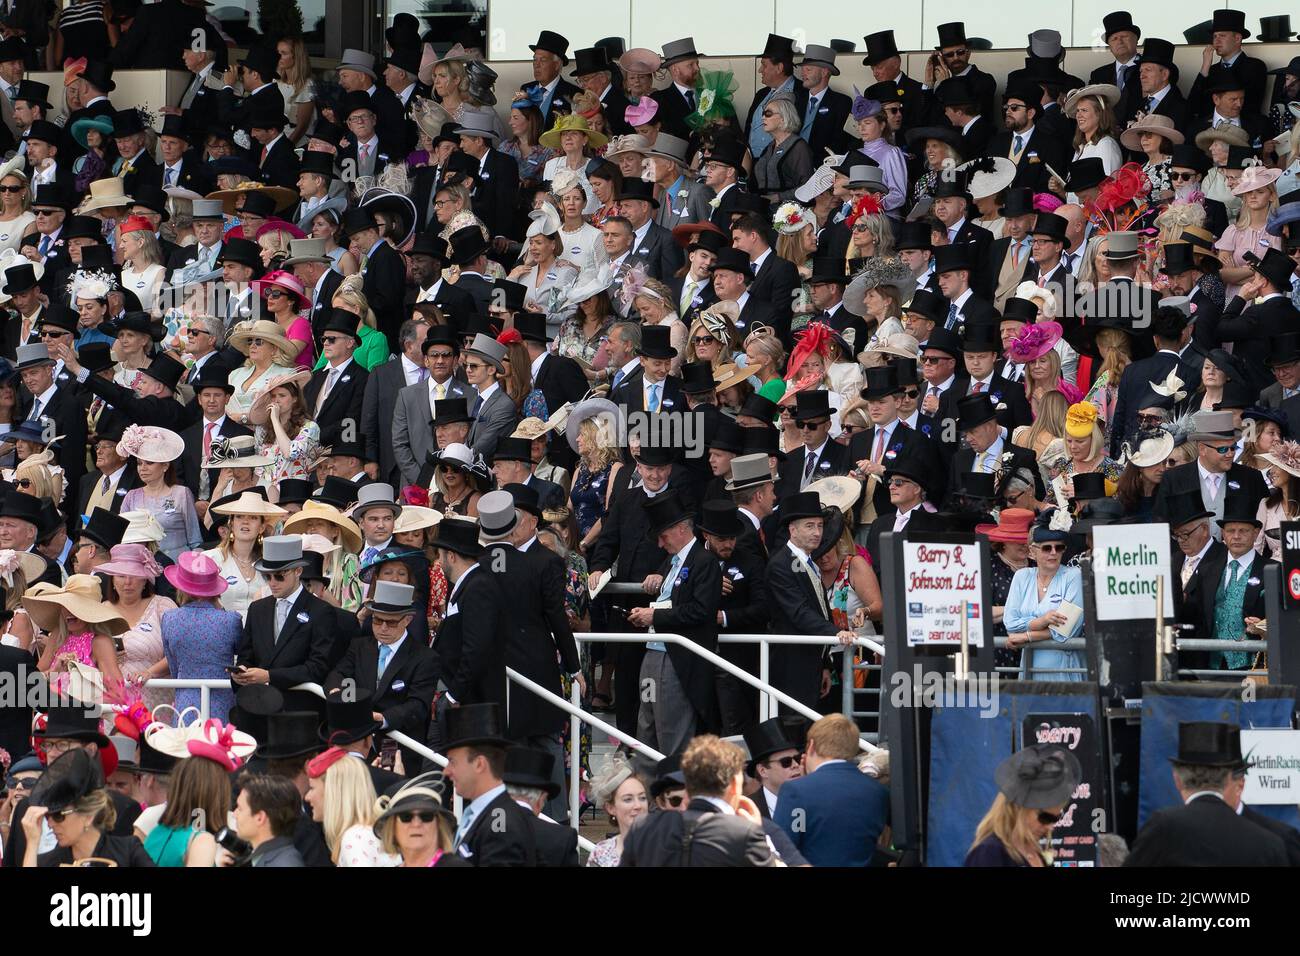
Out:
{"x": 1006, "y": 822}
{"x": 50, "y": 645}
{"x": 349, "y": 801}
{"x": 1053, "y": 376}
{"x": 768, "y": 346}
{"x": 45, "y": 483}
{"x": 1118, "y": 342}
{"x": 789, "y": 246}
{"x": 602, "y": 455}
{"x": 660, "y": 293}
{"x": 349, "y": 296}
{"x": 100, "y": 808}
{"x": 1052, "y": 407}
{"x": 275, "y": 241}
{"x": 1243, "y": 217}
{"x": 728, "y": 341}
{"x": 301, "y": 73}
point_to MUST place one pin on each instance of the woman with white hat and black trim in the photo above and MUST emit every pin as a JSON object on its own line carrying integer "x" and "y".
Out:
{"x": 155, "y": 451}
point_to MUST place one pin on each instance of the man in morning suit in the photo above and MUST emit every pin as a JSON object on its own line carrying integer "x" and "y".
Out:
{"x": 494, "y": 830}
{"x": 1215, "y": 472}
{"x": 382, "y": 269}
{"x": 989, "y": 450}
{"x": 1270, "y": 315}
{"x": 819, "y": 456}
{"x": 530, "y": 780}
{"x": 288, "y": 636}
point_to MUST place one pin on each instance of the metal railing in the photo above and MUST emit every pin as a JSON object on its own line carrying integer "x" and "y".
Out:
{"x": 205, "y": 686}
{"x": 765, "y": 689}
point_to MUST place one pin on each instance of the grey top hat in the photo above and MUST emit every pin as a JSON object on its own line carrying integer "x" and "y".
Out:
{"x": 206, "y": 209}
{"x": 375, "y": 495}
{"x": 33, "y": 356}
{"x": 671, "y": 147}
{"x": 486, "y": 347}
{"x": 1121, "y": 245}
{"x": 477, "y": 122}
{"x": 873, "y": 177}
{"x": 1045, "y": 44}
{"x": 392, "y": 598}
{"x": 748, "y": 471}
{"x": 1182, "y": 303}
{"x": 280, "y": 552}
{"x": 306, "y": 250}
{"x": 1214, "y": 426}
{"x": 819, "y": 55}
{"x": 496, "y": 516}
{"x": 677, "y": 50}
{"x": 1039, "y": 776}
{"x": 358, "y": 60}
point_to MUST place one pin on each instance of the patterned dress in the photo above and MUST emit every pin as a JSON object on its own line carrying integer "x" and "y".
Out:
{"x": 302, "y": 449}
{"x": 605, "y": 853}
{"x": 588, "y": 496}
{"x": 200, "y": 640}
{"x": 144, "y": 648}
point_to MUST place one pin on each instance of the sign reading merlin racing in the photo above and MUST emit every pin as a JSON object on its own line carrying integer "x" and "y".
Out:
{"x": 1126, "y": 561}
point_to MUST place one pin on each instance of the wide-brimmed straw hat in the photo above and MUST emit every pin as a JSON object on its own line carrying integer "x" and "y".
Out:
{"x": 1108, "y": 92}
{"x": 150, "y": 443}
{"x": 280, "y": 195}
{"x": 268, "y": 331}
{"x": 80, "y": 597}
{"x": 1156, "y": 123}
{"x": 252, "y": 504}
{"x": 131, "y": 560}
{"x": 319, "y": 511}
{"x": 416, "y": 518}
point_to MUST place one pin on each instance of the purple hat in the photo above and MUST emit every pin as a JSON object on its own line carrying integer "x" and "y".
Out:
{"x": 196, "y": 574}
{"x": 131, "y": 560}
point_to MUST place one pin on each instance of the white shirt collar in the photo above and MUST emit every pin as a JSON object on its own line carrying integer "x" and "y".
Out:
{"x": 799, "y": 552}
{"x": 971, "y": 122}
{"x": 455, "y": 588}
{"x": 45, "y": 396}
{"x": 960, "y": 301}
{"x": 396, "y": 645}
{"x": 489, "y": 392}
{"x": 638, "y": 236}
{"x": 292, "y": 598}
{"x": 480, "y": 803}
{"x": 682, "y": 555}
{"x": 956, "y": 227}
{"x": 758, "y": 263}
{"x": 537, "y": 363}
{"x": 409, "y": 368}
{"x": 722, "y": 805}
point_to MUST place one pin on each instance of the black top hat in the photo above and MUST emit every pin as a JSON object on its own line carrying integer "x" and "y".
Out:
{"x": 175, "y": 127}
{"x": 778, "y": 49}
{"x": 151, "y": 197}
{"x": 766, "y": 739}
{"x": 406, "y": 57}
{"x": 151, "y": 760}
{"x": 1089, "y": 486}
{"x": 347, "y": 721}
{"x": 1276, "y": 29}
{"x": 552, "y": 42}
{"x": 1161, "y": 53}
{"x": 317, "y": 161}
{"x": 474, "y": 725}
{"x": 96, "y": 357}
{"x": 50, "y": 195}
{"x": 812, "y": 404}
{"x": 1120, "y": 20}
{"x": 1239, "y": 157}
{"x": 424, "y": 244}
{"x": 665, "y": 510}
{"x": 1237, "y": 394}
{"x": 343, "y": 321}
{"x": 913, "y": 466}
{"x": 981, "y": 337}
{"x": 127, "y": 122}
{"x": 465, "y": 245}
{"x": 728, "y": 152}
{"x": 697, "y": 378}
{"x": 762, "y": 439}
{"x": 1276, "y": 266}
{"x": 295, "y": 491}
{"x": 531, "y": 326}
{"x": 263, "y": 59}
{"x": 13, "y": 506}
{"x": 638, "y": 189}
{"x": 726, "y": 436}
{"x": 448, "y": 411}
{"x": 1223, "y": 79}
{"x": 721, "y": 519}
{"x": 1233, "y": 21}
{"x": 1019, "y": 202}
{"x": 655, "y": 455}
{"x": 61, "y": 317}
{"x": 976, "y": 484}
{"x": 211, "y": 375}
{"x": 326, "y": 131}
{"x": 74, "y": 721}
{"x": 513, "y": 449}
{"x": 99, "y": 75}
{"x": 957, "y": 91}
{"x": 531, "y": 768}
{"x": 525, "y": 497}
{"x": 655, "y": 343}
{"x": 69, "y": 778}
{"x": 1026, "y": 90}
{"x": 668, "y": 775}
{"x": 880, "y": 47}
{"x": 589, "y": 60}
{"x": 929, "y": 304}
{"x": 166, "y": 370}
{"x": 20, "y": 278}
{"x": 514, "y": 294}
{"x": 240, "y": 251}
{"x": 975, "y": 410}
{"x": 1052, "y": 226}
{"x": 829, "y": 269}
{"x": 88, "y": 227}
{"x": 907, "y": 371}
{"x": 760, "y": 407}
{"x": 951, "y": 187}
{"x": 1240, "y": 507}
{"x": 293, "y": 733}
{"x": 733, "y": 260}
{"x": 1209, "y": 743}
{"x": 1184, "y": 507}
{"x": 951, "y": 258}
{"x": 951, "y": 34}
{"x": 709, "y": 241}
{"x": 1085, "y": 174}
{"x": 339, "y": 492}
{"x": 881, "y": 383}
{"x": 1283, "y": 349}
{"x": 459, "y": 535}
{"x": 1180, "y": 257}
{"x": 352, "y": 102}
{"x": 801, "y": 504}
{"x": 356, "y": 220}
{"x": 37, "y": 94}
{"x": 944, "y": 340}
{"x": 441, "y": 335}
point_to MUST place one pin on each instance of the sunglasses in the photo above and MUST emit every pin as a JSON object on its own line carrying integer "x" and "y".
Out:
{"x": 900, "y": 482}
{"x": 675, "y": 800}
{"x": 1009, "y": 108}
{"x": 935, "y": 359}
{"x": 474, "y": 366}
{"x": 19, "y": 783}
{"x": 893, "y": 110}
{"x": 331, "y": 339}
{"x": 197, "y": 330}
{"x": 440, "y": 355}
{"x": 785, "y": 763}
{"x": 954, "y": 54}
{"x": 279, "y": 575}
{"x": 257, "y": 341}
{"x": 23, "y": 482}
{"x": 1222, "y": 449}
{"x": 58, "y": 816}
{"x": 703, "y": 340}
{"x": 12, "y": 189}
{"x": 45, "y": 212}
{"x": 812, "y": 426}
{"x": 1049, "y": 819}
{"x": 1176, "y": 176}
{"x": 767, "y": 113}
{"x": 1051, "y": 547}
{"x": 53, "y": 333}
{"x": 911, "y": 393}
{"x": 277, "y": 294}
{"x": 424, "y": 816}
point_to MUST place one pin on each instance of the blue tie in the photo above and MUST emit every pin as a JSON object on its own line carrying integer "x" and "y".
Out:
{"x": 809, "y": 118}
{"x": 952, "y": 316}
{"x": 654, "y": 398}
{"x": 367, "y": 554}
{"x": 385, "y": 655}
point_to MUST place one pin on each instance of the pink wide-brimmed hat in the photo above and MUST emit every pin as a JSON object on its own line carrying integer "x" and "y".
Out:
{"x": 1034, "y": 341}
{"x": 641, "y": 112}
{"x": 131, "y": 560}
{"x": 196, "y": 574}
{"x": 285, "y": 281}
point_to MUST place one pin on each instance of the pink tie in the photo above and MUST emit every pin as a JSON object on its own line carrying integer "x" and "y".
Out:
{"x": 880, "y": 446}
{"x": 207, "y": 440}
{"x": 979, "y": 387}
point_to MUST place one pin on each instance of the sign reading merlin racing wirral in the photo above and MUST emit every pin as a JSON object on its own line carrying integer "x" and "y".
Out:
{"x": 938, "y": 578}
{"x": 1126, "y": 561}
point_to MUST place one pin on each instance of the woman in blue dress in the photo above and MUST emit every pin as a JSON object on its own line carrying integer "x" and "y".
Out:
{"x": 597, "y": 451}
{"x": 199, "y": 636}
{"x": 1033, "y": 615}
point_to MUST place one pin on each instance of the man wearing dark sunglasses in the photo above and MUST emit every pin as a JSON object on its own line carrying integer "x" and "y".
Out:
{"x": 952, "y": 59}
{"x": 818, "y": 457}
{"x": 773, "y": 760}
{"x": 1214, "y": 473}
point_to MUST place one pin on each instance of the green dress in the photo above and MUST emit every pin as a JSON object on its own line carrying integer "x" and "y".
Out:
{"x": 166, "y": 846}
{"x": 373, "y": 350}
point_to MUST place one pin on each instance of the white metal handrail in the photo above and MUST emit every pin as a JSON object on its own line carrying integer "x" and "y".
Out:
{"x": 641, "y": 637}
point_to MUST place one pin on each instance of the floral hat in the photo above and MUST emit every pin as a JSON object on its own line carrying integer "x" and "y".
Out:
{"x": 1081, "y": 420}
{"x": 792, "y": 218}
{"x": 1284, "y": 455}
{"x": 150, "y": 443}
{"x": 1034, "y": 341}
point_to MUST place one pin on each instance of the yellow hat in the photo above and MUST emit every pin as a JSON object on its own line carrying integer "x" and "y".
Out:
{"x": 572, "y": 122}
{"x": 1081, "y": 419}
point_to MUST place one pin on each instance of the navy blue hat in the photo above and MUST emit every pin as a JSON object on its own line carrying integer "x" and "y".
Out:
{"x": 1043, "y": 530}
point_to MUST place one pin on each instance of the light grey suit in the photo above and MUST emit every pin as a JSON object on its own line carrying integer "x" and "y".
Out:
{"x": 693, "y": 208}
{"x": 496, "y": 418}
{"x": 413, "y": 437}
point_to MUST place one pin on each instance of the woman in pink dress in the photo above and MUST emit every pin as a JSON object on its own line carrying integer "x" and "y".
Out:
{"x": 76, "y": 624}
{"x": 132, "y": 571}
{"x": 286, "y": 302}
